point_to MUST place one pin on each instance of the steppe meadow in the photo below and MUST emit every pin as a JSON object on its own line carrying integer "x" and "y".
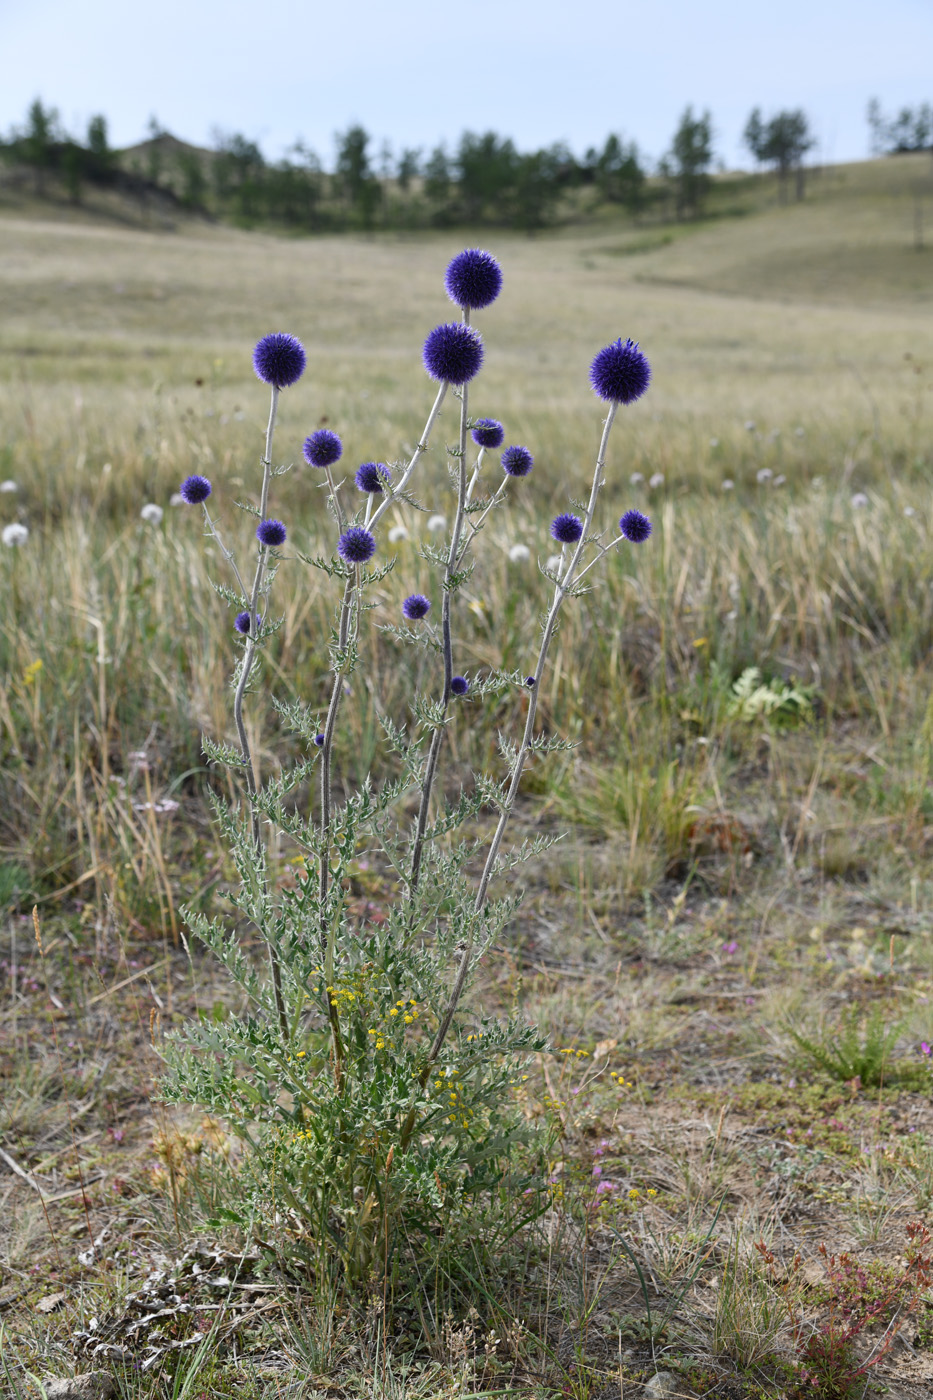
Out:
{"x": 722, "y": 1129}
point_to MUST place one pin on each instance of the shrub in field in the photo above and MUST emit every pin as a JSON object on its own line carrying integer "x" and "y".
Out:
{"x": 374, "y": 1111}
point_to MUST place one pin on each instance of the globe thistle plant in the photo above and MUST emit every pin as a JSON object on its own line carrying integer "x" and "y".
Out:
{"x": 635, "y": 527}
{"x": 373, "y": 477}
{"x": 279, "y": 360}
{"x": 567, "y": 529}
{"x": 195, "y": 489}
{"x": 322, "y": 449}
{"x": 271, "y": 533}
{"x": 416, "y": 606}
{"x": 620, "y": 373}
{"x": 473, "y": 279}
{"x": 453, "y": 353}
{"x": 356, "y": 545}
{"x": 331, "y": 1043}
{"x": 517, "y": 461}
{"x": 488, "y": 433}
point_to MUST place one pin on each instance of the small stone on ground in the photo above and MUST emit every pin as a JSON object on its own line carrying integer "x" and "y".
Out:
{"x": 94, "y": 1385}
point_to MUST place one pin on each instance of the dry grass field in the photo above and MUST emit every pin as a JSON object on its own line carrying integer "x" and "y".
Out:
{"x": 739, "y": 919}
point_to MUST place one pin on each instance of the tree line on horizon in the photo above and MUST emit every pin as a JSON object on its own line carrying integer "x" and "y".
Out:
{"x": 485, "y": 180}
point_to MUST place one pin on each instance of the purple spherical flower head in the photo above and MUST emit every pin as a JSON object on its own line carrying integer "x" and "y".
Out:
{"x": 195, "y": 489}
{"x": 319, "y": 740}
{"x": 241, "y": 623}
{"x": 517, "y": 461}
{"x": 635, "y": 527}
{"x": 473, "y": 279}
{"x": 322, "y": 449}
{"x": 453, "y": 352}
{"x": 373, "y": 477}
{"x": 279, "y": 359}
{"x": 530, "y": 682}
{"x": 620, "y": 373}
{"x": 271, "y": 533}
{"x": 356, "y": 545}
{"x": 567, "y": 529}
{"x": 459, "y": 685}
{"x": 416, "y": 606}
{"x": 488, "y": 432}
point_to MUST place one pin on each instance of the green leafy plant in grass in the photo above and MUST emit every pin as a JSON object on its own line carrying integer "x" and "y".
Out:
{"x": 376, "y": 1114}
{"x": 782, "y": 704}
{"x": 861, "y": 1046}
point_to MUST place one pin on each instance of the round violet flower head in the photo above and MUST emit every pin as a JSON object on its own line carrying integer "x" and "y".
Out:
{"x": 322, "y": 449}
{"x": 473, "y": 279}
{"x": 241, "y": 623}
{"x": 488, "y": 432}
{"x": 517, "y": 461}
{"x": 279, "y": 360}
{"x": 530, "y": 682}
{"x": 620, "y": 373}
{"x": 319, "y": 740}
{"x": 635, "y": 527}
{"x": 459, "y": 685}
{"x": 567, "y": 528}
{"x": 271, "y": 533}
{"x": 416, "y": 606}
{"x": 453, "y": 352}
{"x": 195, "y": 489}
{"x": 373, "y": 477}
{"x": 356, "y": 545}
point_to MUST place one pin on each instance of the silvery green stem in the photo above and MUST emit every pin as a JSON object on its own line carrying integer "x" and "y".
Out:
{"x": 603, "y": 551}
{"x": 343, "y": 632}
{"x": 342, "y": 635}
{"x": 437, "y": 738}
{"x": 249, "y": 654}
{"x": 338, "y": 509}
{"x": 477, "y": 468}
{"x": 494, "y": 501}
{"x": 393, "y": 491}
{"x": 214, "y": 534}
{"x": 245, "y": 668}
{"x": 560, "y": 592}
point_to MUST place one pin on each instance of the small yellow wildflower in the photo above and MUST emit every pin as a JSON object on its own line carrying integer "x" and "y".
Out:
{"x": 301, "y": 1054}
{"x": 634, "y": 1194}
{"x": 393, "y": 1012}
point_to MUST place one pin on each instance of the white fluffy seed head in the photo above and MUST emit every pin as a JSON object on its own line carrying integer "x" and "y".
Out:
{"x": 15, "y": 534}
{"x": 152, "y": 514}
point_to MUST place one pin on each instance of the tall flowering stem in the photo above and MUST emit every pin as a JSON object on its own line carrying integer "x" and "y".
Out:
{"x": 246, "y": 667}
{"x": 343, "y": 637}
{"x": 561, "y": 590}
{"x": 437, "y": 738}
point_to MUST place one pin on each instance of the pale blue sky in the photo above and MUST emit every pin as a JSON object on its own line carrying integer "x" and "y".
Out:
{"x": 417, "y": 72}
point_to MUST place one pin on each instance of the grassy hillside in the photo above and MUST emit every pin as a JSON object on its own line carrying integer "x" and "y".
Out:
{"x": 741, "y": 874}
